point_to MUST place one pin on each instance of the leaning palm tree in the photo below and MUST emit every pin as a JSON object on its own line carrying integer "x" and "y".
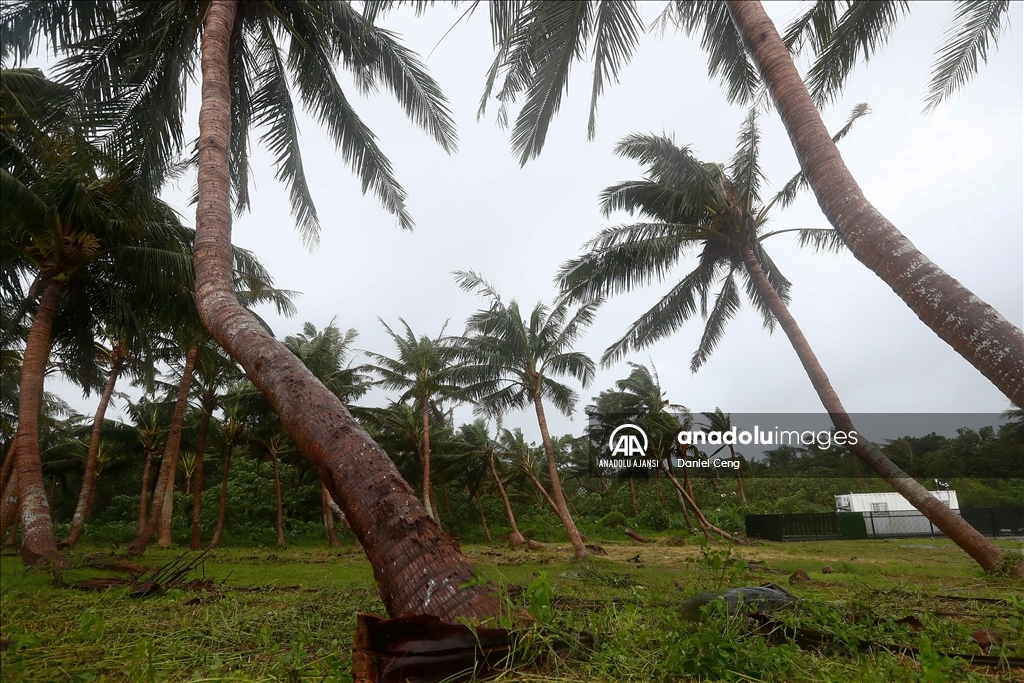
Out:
{"x": 720, "y": 422}
{"x": 717, "y": 210}
{"x": 537, "y": 42}
{"x": 250, "y": 55}
{"x": 422, "y": 371}
{"x": 511, "y": 363}
{"x": 477, "y": 459}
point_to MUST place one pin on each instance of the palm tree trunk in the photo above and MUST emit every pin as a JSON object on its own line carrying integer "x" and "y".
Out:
{"x": 974, "y": 329}
{"x": 951, "y": 524}
{"x": 9, "y": 504}
{"x": 144, "y": 495}
{"x": 739, "y": 477}
{"x": 483, "y": 520}
{"x": 165, "y": 539}
{"x": 277, "y": 495}
{"x": 38, "y": 542}
{"x": 419, "y": 569}
{"x": 632, "y": 496}
{"x": 332, "y": 534}
{"x": 556, "y": 485}
{"x": 169, "y": 464}
{"x": 515, "y": 538}
{"x": 8, "y": 466}
{"x": 704, "y": 523}
{"x": 223, "y": 508}
{"x": 682, "y": 500}
{"x": 196, "y": 542}
{"x": 427, "y": 492}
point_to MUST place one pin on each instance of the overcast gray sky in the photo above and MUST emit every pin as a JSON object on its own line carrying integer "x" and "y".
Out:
{"x": 951, "y": 181}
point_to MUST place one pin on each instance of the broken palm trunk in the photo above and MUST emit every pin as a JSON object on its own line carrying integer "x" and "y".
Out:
{"x": 424, "y": 649}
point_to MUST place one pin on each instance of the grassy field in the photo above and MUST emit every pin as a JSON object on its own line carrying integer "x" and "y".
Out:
{"x": 289, "y": 615}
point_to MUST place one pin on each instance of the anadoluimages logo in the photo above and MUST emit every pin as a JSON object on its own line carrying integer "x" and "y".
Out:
{"x": 628, "y": 441}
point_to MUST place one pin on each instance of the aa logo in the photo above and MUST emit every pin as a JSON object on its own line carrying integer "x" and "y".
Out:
{"x": 628, "y": 441}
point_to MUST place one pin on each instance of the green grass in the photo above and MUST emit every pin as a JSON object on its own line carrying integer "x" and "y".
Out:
{"x": 289, "y": 615}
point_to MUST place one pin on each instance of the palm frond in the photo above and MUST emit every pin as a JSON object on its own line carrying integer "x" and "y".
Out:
{"x": 727, "y": 57}
{"x": 974, "y": 29}
{"x": 726, "y": 306}
{"x": 616, "y": 34}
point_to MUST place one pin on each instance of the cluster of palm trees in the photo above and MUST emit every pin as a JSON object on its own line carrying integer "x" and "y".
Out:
{"x": 83, "y": 160}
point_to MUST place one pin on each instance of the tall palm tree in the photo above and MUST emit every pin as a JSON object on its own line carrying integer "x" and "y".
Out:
{"x": 511, "y": 363}
{"x": 537, "y": 42}
{"x": 481, "y": 446}
{"x": 422, "y": 371}
{"x": 720, "y": 422}
{"x": 249, "y": 54}
{"x": 718, "y": 210}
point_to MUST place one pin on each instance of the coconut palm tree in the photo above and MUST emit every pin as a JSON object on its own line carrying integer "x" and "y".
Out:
{"x": 422, "y": 371}
{"x": 481, "y": 446}
{"x": 249, "y": 56}
{"x": 717, "y": 209}
{"x": 720, "y": 422}
{"x": 511, "y": 363}
{"x": 537, "y": 42}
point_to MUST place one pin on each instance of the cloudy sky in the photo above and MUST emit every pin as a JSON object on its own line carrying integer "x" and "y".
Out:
{"x": 951, "y": 181}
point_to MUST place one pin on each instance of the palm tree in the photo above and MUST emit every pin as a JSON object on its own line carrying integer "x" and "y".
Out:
{"x": 537, "y": 42}
{"x": 720, "y": 422}
{"x": 482, "y": 446}
{"x": 422, "y": 371}
{"x": 146, "y": 52}
{"x": 512, "y": 362}
{"x": 718, "y": 210}
{"x": 76, "y": 224}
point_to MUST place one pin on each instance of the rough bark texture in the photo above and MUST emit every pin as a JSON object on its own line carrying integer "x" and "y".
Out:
{"x": 196, "y": 542}
{"x": 428, "y": 494}
{"x": 88, "y": 491}
{"x": 974, "y": 329}
{"x": 165, "y": 539}
{"x": 8, "y": 466}
{"x": 556, "y": 485}
{"x": 279, "y": 521}
{"x": 222, "y": 509}
{"x": 9, "y": 504}
{"x": 951, "y": 524}
{"x": 38, "y": 542}
{"x": 515, "y": 538}
{"x": 144, "y": 495}
{"x": 169, "y": 464}
{"x": 418, "y": 568}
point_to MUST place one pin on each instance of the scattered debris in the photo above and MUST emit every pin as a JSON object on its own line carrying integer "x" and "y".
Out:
{"x": 677, "y": 541}
{"x": 614, "y": 580}
{"x": 986, "y": 638}
{"x": 799, "y": 576}
{"x": 635, "y": 559}
{"x": 596, "y": 549}
{"x": 636, "y": 536}
{"x": 534, "y": 545}
{"x": 425, "y": 649}
{"x": 768, "y": 597}
{"x": 171, "y": 576}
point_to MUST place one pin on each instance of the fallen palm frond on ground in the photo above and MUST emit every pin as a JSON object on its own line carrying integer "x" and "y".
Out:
{"x": 142, "y": 581}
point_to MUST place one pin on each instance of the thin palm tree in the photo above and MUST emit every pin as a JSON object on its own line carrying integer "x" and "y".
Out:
{"x": 249, "y": 56}
{"x": 720, "y": 422}
{"x": 537, "y": 42}
{"x": 718, "y": 210}
{"x": 422, "y": 371}
{"x": 512, "y": 362}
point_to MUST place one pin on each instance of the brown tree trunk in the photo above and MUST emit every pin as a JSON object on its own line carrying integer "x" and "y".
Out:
{"x": 144, "y": 495}
{"x": 556, "y": 485}
{"x": 951, "y": 524}
{"x": 169, "y": 464}
{"x": 165, "y": 539}
{"x": 515, "y": 538}
{"x": 8, "y": 466}
{"x": 223, "y": 507}
{"x": 705, "y": 525}
{"x": 632, "y": 496}
{"x": 974, "y": 329}
{"x": 9, "y": 504}
{"x": 483, "y": 520}
{"x": 277, "y": 496}
{"x": 332, "y": 534}
{"x": 38, "y": 542}
{"x": 739, "y": 477}
{"x": 418, "y": 568}
{"x": 196, "y": 542}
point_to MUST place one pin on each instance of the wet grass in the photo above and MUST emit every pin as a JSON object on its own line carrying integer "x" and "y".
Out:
{"x": 289, "y": 615}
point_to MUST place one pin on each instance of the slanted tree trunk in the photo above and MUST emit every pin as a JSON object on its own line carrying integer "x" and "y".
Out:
{"x": 169, "y": 464}
{"x": 418, "y": 568}
{"x": 985, "y": 553}
{"x": 196, "y": 542}
{"x": 561, "y": 509}
{"x": 515, "y": 538}
{"x": 38, "y": 543}
{"x": 974, "y": 329}
{"x": 279, "y": 523}
{"x": 682, "y": 500}
{"x": 223, "y": 507}
{"x": 483, "y": 519}
{"x": 332, "y": 535}
{"x": 8, "y": 466}
{"x": 705, "y": 525}
{"x": 144, "y": 495}
{"x": 165, "y": 538}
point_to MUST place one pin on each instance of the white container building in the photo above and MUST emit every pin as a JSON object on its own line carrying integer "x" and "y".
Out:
{"x": 890, "y": 514}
